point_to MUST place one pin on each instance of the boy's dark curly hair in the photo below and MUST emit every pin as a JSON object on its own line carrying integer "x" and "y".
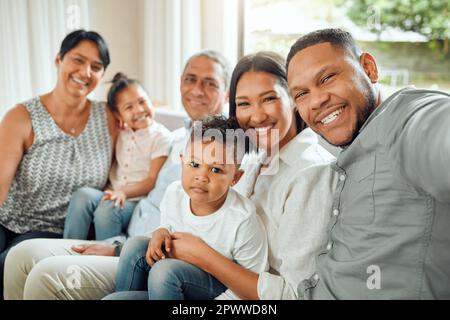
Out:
{"x": 223, "y": 130}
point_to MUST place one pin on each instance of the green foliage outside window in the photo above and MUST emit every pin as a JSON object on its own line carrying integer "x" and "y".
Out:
{"x": 425, "y": 17}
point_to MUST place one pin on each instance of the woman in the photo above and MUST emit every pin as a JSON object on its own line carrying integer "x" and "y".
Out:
{"x": 54, "y": 144}
{"x": 289, "y": 180}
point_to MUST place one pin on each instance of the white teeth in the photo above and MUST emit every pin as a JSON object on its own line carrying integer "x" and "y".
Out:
{"x": 331, "y": 117}
{"x": 140, "y": 118}
{"x": 79, "y": 81}
{"x": 263, "y": 129}
{"x": 196, "y": 103}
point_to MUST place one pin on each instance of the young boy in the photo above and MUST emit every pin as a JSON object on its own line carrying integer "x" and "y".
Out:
{"x": 203, "y": 204}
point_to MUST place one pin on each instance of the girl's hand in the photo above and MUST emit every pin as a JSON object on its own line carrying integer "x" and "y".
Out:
{"x": 189, "y": 248}
{"x": 117, "y": 196}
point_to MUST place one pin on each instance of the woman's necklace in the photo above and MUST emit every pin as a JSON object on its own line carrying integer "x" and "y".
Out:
{"x": 74, "y": 128}
{"x": 72, "y": 131}
{"x": 70, "y": 127}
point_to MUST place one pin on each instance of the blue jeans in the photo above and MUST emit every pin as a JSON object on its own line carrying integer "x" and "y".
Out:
{"x": 86, "y": 207}
{"x": 127, "y": 295}
{"x": 168, "y": 279}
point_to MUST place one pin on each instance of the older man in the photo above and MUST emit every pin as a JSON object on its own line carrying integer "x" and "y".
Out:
{"x": 389, "y": 233}
{"x": 73, "y": 269}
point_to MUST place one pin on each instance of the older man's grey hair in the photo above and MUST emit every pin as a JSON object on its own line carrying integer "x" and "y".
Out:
{"x": 216, "y": 57}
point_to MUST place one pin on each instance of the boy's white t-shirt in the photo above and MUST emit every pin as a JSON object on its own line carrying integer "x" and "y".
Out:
{"x": 234, "y": 230}
{"x": 134, "y": 152}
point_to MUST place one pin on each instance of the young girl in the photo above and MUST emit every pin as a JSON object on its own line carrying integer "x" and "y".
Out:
{"x": 142, "y": 148}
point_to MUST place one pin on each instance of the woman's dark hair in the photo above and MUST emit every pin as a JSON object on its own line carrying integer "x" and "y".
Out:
{"x": 75, "y": 37}
{"x": 264, "y": 61}
{"x": 119, "y": 82}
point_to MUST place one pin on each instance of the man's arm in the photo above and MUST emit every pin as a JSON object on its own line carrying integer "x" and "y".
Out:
{"x": 422, "y": 152}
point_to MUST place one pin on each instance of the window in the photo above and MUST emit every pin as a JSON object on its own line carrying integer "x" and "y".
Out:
{"x": 405, "y": 57}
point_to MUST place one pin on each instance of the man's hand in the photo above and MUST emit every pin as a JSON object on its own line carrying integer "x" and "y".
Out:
{"x": 117, "y": 196}
{"x": 95, "y": 249}
{"x": 160, "y": 239}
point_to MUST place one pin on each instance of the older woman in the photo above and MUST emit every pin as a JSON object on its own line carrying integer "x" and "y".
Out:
{"x": 53, "y": 144}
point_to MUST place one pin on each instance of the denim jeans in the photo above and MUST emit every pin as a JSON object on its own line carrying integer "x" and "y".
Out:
{"x": 168, "y": 279}
{"x": 86, "y": 207}
{"x": 127, "y": 295}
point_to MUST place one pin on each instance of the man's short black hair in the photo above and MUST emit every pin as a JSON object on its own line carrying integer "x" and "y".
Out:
{"x": 335, "y": 37}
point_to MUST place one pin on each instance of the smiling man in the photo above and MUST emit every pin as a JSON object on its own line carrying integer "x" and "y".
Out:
{"x": 388, "y": 237}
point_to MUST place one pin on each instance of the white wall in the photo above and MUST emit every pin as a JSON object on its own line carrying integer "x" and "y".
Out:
{"x": 119, "y": 22}
{"x": 150, "y": 40}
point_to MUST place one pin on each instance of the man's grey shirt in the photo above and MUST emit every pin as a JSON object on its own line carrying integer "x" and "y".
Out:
{"x": 389, "y": 235}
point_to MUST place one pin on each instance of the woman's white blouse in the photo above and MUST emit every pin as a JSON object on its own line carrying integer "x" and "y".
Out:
{"x": 293, "y": 198}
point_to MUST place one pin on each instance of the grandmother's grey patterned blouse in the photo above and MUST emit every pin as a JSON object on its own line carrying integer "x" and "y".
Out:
{"x": 54, "y": 167}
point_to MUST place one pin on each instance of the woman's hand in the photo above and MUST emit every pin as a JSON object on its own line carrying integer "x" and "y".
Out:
{"x": 190, "y": 248}
{"x": 119, "y": 197}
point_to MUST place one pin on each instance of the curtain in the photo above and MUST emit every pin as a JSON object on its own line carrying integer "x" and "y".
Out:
{"x": 166, "y": 33}
{"x": 31, "y": 32}
{"x": 173, "y": 30}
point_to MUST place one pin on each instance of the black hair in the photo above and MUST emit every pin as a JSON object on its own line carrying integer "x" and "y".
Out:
{"x": 75, "y": 37}
{"x": 264, "y": 61}
{"x": 224, "y": 130}
{"x": 336, "y": 37}
{"x": 216, "y": 57}
{"x": 119, "y": 82}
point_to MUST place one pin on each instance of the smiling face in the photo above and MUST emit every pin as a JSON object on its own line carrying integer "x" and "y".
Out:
{"x": 134, "y": 107}
{"x": 333, "y": 91}
{"x": 80, "y": 70}
{"x": 206, "y": 177}
{"x": 203, "y": 89}
{"x": 263, "y": 104}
